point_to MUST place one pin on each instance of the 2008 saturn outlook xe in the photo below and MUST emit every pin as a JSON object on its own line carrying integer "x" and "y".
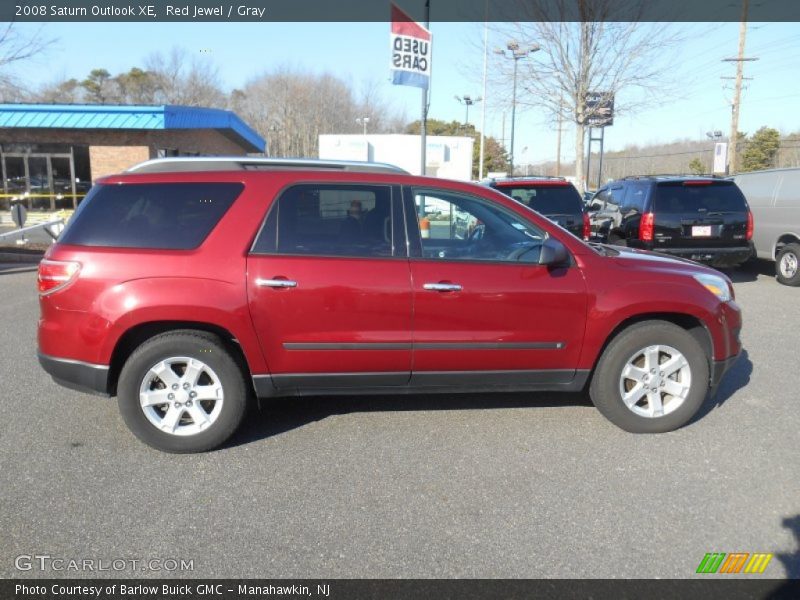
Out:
{"x": 187, "y": 287}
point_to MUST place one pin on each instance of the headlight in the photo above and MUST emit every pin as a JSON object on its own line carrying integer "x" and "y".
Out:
{"x": 716, "y": 285}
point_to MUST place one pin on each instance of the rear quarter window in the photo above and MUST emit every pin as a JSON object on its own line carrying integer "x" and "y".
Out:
{"x": 169, "y": 216}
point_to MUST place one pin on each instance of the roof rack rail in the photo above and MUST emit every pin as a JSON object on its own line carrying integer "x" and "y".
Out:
{"x": 665, "y": 175}
{"x": 246, "y": 163}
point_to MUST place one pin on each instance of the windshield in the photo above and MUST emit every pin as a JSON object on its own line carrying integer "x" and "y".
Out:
{"x": 718, "y": 197}
{"x": 546, "y": 199}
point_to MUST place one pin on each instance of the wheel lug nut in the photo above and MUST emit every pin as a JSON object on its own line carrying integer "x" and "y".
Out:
{"x": 661, "y": 374}
{"x": 174, "y": 386}
{"x": 171, "y": 396}
{"x": 186, "y": 386}
{"x": 188, "y": 403}
{"x": 193, "y": 394}
{"x": 652, "y": 371}
{"x": 177, "y": 405}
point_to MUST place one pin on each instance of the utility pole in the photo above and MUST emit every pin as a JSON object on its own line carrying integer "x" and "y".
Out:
{"x": 737, "y": 94}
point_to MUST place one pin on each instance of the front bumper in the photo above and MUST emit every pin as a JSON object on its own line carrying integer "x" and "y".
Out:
{"x": 76, "y": 374}
{"x": 719, "y": 368}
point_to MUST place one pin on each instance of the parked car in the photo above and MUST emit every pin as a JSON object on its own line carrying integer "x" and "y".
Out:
{"x": 554, "y": 197}
{"x": 774, "y": 198}
{"x": 185, "y": 293}
{"x": 704, "y": 219}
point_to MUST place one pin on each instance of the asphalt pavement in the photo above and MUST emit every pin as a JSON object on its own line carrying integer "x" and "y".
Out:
{"x": 513, "y": 485}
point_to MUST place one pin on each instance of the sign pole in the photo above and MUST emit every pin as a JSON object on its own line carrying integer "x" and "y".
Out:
{"x": 600, "y": 164}
{"x": 589, "y": 158}
{"x": 424, "y": 117}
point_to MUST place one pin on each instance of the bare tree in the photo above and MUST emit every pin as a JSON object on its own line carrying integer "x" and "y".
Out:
{"x": 16, "y": 48}
{"x": 592, "y": 53}
{"x": 179, "y": 78}
{"x": 291, "y": 108}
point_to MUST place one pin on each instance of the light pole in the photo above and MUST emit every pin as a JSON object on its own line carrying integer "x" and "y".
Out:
{"x": 467, "y": 101}
{"x": 363, "y": 121}
{"x": 517, "y": 53}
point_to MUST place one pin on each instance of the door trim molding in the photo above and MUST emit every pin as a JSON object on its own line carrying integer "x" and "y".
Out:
{"x": 424, "y": 345}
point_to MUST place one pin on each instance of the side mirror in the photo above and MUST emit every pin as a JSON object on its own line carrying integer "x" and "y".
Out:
{"x": 595, "y": 206}
{"x": 553, "y": 253}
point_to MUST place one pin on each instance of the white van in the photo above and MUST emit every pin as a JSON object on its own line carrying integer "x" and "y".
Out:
{"x": 774, "y": 199}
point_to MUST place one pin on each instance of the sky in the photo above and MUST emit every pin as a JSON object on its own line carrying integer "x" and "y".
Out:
{"x": 359, "y": 53}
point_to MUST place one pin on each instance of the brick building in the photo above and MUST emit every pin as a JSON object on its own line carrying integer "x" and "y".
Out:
{"x": 51, "y": 153}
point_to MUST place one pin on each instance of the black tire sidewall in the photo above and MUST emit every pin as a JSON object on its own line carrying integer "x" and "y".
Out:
{"x": 604, "y": 389}
{"x": 792, "y": 281}
{"x": 204, "y": 348}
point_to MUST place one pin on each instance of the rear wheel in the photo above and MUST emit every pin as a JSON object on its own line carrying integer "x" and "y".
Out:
{"x": 787, "y": 269}
{"x": 652, "y": 378}
{"x": 182, "y": 392}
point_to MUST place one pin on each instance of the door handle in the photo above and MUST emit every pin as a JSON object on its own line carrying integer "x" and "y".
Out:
{"x": 276, "y": 283}
{"x": 442, "y": 287}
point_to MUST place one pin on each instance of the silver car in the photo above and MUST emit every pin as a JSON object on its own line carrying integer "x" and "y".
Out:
{"x": 774, "y": 199}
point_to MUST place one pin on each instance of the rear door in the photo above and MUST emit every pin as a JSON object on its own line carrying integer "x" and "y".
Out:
{"x": 699, "y": 213}
{"x": 329, "y": 288}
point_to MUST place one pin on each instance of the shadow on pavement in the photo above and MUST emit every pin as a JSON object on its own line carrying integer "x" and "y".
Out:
{"x": 751, "y": 271}
{"x": 734, "y": 380}
{"x": 278, "y": 415}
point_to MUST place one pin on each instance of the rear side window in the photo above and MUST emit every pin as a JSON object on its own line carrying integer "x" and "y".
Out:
{"x": 718, "y": 197}
{"x": 330, "y": 220}
{"x": 546, "y": 199}
{"x": 168, "y": 216}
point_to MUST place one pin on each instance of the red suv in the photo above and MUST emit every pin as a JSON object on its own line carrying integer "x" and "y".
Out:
{"x": 187, "y": 287}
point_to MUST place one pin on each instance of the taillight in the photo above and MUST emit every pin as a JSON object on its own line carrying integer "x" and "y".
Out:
{"x": 587, "y": 228}
{"x": 646, "y": 227}
{"x": 56, "y": 274}
{"x": 750, "y": 224}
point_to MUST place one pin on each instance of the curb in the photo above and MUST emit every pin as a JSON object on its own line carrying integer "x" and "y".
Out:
{"x": 21, "y": 257}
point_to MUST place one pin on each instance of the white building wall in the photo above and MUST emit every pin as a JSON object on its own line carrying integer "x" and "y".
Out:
{"x": 448, "y": 157}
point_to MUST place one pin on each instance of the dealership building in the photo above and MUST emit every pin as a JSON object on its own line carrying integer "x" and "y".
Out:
{"x": 51, "y": 153}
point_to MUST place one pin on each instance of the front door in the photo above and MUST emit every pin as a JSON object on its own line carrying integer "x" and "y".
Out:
{"x": 329, "y": 288}
{"x": 485, "y": 312}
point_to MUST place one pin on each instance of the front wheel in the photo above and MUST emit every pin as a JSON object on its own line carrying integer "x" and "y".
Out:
{"x": 652, "y": 378}
{"x": 787, "y": 269}
{"x": 182, "y": 392}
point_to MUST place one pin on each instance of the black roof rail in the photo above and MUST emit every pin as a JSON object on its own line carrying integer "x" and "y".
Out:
{"x": 675, "y": 175}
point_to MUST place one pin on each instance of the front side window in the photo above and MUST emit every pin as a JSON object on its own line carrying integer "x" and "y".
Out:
{"x": 329, "y": 220}
{"x": 460, "y": 227}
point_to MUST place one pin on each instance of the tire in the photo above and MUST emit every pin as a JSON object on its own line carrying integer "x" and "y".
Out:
{"x": 157, "y": 371}
{"x": 627, "y": 354}
{"x": 787, "y": 265}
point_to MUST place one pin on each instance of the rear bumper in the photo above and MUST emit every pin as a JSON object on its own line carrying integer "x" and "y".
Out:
{"x": 76, "y": 374}
{"x": 717, "y": 257}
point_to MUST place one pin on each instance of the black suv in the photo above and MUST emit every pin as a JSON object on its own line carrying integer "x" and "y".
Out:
{"x": 552, "y": 197}
{"x": 704, "y": 219}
